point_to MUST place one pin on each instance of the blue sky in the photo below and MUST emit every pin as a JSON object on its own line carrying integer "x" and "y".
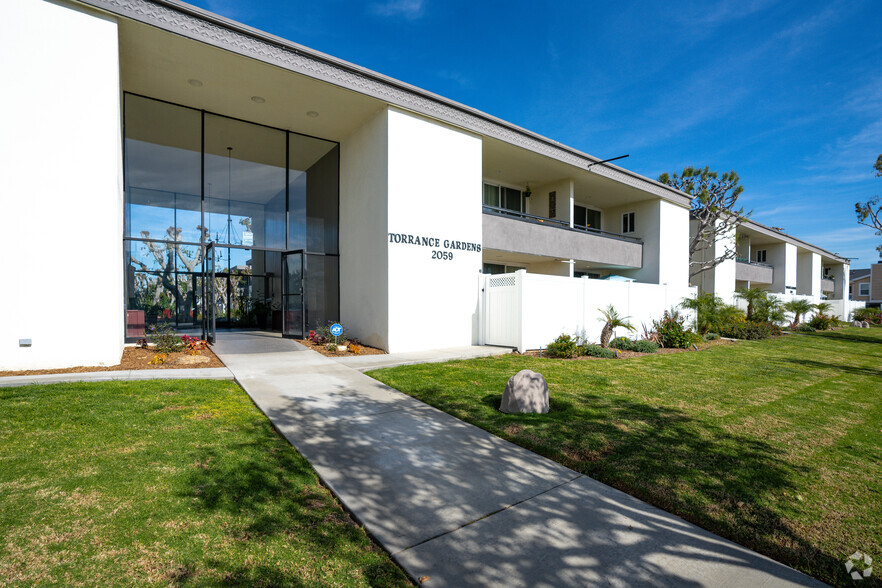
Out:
{"x": 788, "y": 94}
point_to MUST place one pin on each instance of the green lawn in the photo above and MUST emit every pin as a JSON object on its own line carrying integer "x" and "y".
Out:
{"x": 774, "y": 444}
{"x": 166, "y": 482}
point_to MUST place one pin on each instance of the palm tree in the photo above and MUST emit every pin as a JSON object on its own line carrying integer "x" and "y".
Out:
{"x": 823, "y": 307}
{"x": 754, "y": 298}
{"x": 613, "y": 320}
{"x": 711, "y": 313}
{"x": 798, "y": 307}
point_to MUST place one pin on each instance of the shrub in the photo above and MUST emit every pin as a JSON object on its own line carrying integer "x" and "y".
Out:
{"x": 564, "y": 346}
{"x": 871, "y": 315}
{"x": 753, "y": 330}
{"x": 821, "y": 322}
{"x": 642, "y": 346}
{"x": 158, "y": 359}
{"x": 671, "y": 332}
{"x": 164, "y": 339}
{"x": 596, "y": 351}
{"x": 711, "y": 336}
{"x": 323, "y": 334}
{"x": 621, "y": 343}
{"x": 711, "y": 313}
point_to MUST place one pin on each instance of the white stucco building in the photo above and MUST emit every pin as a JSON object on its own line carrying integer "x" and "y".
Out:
{"x": 771, "y": 260}
{"x": 165, "y": 164}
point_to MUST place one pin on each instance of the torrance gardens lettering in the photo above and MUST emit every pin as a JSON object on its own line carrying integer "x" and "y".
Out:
{"x": 450, "y": 244}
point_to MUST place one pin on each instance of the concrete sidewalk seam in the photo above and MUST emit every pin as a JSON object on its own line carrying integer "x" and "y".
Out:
{"x": 490, "y": 514}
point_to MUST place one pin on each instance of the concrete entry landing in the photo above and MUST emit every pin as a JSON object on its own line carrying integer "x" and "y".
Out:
{"x": 463, "y": 507}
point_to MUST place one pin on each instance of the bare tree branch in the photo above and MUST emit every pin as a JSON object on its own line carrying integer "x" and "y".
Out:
{"x": 714, "y": 199}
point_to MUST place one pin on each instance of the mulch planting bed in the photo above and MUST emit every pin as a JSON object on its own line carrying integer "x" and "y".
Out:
{"x": 136, "y": 358}
{"x": 365, "y": 350}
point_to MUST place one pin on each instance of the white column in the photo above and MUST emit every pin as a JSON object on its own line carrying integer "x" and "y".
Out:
{"x": 434, "y": 196}
{"x": 61, "y": 187}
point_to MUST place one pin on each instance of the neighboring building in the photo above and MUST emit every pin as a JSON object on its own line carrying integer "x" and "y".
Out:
{"x": 772, "y": 260}
{"x": 866, "y": 285}
{"x": 165, "y": 163}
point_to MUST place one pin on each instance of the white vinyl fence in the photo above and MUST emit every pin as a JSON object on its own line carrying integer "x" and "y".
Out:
{"x": 529, "y": 311}
{"x": 844, "y": 309}
{"x": 841, "y": 309}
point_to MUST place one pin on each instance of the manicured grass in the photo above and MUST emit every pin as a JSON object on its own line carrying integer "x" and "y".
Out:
{"x": 774, "y": 444}
{"x": 166, "y": 482}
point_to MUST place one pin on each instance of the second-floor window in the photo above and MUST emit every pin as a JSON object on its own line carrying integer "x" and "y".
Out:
{"x": 502, "y": 197}
{"x": 586, "y": 217}
{"x": 761, "y": 256}
{"x": 628, "y": 222}
{"x": 864, "y": 289}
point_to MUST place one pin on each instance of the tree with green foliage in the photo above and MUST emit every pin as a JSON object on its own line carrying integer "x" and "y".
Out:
{"x": 869, "y": 213}
{"x": 798, "y": 307}
{"x": 823, "y": 307}
{"x": 613, "y": 320}
{"x": 714, "y": 208}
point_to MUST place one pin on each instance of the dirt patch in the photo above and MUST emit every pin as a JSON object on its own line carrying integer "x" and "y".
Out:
{"x": 633, "y": 354}
{"x": 365, "y": 350}
{"x": 136, "y": 358}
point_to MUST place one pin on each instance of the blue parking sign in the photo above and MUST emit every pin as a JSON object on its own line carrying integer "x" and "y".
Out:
{"x": 336, "y": 329}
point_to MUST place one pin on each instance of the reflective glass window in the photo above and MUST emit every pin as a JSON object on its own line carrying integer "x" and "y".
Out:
{"x": 313, "y": 194}
{"x": 244, "y": 183}
{"x": 163, "y": 170}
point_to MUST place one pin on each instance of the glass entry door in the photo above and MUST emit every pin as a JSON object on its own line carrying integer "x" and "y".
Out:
{"x": 292, "y": 294}
{"x": 209, "y": 295}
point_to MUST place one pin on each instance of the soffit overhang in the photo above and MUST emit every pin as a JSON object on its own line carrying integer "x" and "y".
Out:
{"x": 200, "y": 25}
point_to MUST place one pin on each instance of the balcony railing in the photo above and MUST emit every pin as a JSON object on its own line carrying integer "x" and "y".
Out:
{"x": 557, "y": 223}
{"x": 751, "y": 262}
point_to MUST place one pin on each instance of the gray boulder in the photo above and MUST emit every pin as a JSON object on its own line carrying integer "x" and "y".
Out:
{"x": 865, "y": 325}
{"x": 856, "y": 324}
{"x": 526, "y": 391}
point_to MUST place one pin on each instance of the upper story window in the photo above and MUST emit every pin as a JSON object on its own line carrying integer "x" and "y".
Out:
{"x": 864, "y": 289}
{"x": 586, "y": 217}
{"x": 628, "y": 222}
{"x": 502, "y": 197}
{"x": 761, "y": 256}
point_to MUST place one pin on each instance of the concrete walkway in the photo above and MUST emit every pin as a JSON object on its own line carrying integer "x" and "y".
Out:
{"x": 463, "y": 507}
{"x": 221, "y": 373}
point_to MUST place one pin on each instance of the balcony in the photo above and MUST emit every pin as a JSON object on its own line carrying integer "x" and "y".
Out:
{"x": 827, "y": 285}
{"x": 505, "y": 230}
{"x": 753, "y": 271}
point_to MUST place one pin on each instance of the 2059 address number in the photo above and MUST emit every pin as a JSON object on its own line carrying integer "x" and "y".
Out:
{"x": 445, "y": 255}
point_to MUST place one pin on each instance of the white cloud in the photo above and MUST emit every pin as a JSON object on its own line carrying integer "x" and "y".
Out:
{"x": 409, "y": 9}
{"x": 710, "y": 15}
{"x": 850, "y": 235}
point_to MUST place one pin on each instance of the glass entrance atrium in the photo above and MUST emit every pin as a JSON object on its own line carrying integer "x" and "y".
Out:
{"x": 255, "y": 192}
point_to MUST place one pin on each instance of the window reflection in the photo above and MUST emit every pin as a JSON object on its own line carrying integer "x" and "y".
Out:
{"x": 253, "y": 201}
{"x": 244, "y": 183}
